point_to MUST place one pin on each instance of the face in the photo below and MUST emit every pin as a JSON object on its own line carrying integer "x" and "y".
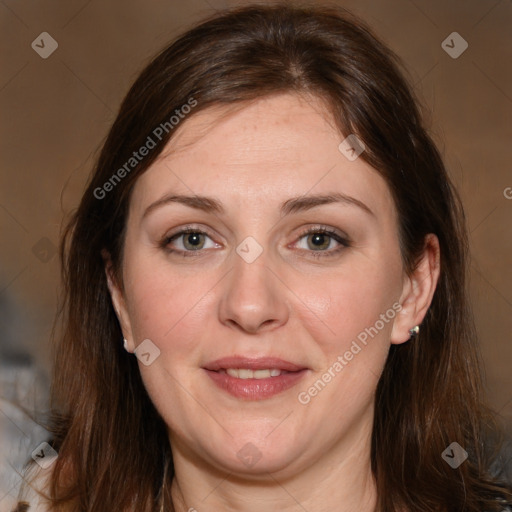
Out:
{"x": 289, "y": 262}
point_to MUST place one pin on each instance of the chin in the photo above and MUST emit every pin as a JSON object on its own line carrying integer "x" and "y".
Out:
{"x": 256, "y": 456}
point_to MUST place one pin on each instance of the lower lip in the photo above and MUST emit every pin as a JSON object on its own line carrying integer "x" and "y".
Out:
{"x": 255, "y": 389}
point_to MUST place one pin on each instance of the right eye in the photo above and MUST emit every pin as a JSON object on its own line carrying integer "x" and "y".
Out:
{"x": 188, "y": 241}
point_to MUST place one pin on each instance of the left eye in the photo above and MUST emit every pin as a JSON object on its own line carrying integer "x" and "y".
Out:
{"x": 321, "y": 240}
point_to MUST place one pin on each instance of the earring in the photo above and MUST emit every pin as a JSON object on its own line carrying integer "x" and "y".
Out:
{"x": 414, "y": 331}
{"x": 125, "y": 344}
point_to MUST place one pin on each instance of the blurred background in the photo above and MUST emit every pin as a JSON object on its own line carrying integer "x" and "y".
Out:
{"x": 65, "y": 69}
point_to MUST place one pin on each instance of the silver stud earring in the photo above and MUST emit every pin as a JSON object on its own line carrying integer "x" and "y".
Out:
{"x": 125, "y": 344}
{"x": 414, "y": 331}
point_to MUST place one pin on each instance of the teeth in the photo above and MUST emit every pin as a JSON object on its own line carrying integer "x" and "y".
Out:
{"x": 242, "y": 373}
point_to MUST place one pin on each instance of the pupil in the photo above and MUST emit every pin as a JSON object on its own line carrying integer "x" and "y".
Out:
{"x": 318, "y": 239}
{"x": 194, "y": 239}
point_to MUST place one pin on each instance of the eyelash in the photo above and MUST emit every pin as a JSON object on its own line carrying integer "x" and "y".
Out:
{"x": 188, "y": 230}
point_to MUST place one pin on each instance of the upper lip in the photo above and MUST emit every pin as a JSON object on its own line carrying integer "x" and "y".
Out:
{"x": 259, "y": 363}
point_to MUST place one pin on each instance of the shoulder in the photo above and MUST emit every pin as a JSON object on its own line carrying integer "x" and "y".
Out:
{"x": 506, "y": 505}
{"x": 31, "y": 497}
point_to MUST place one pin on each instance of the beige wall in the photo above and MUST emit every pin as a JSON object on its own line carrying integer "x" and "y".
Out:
{"x": 56, "y": 112}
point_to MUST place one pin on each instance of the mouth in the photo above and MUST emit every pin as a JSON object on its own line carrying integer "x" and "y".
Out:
{"x": 246, "y": 373}
{"x": 254, "y": 379}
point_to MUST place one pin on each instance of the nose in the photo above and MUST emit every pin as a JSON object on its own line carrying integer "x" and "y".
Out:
{"x": 254, "y": 298}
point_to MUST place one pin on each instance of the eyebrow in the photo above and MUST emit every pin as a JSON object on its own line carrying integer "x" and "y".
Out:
{"x": 293, "y": 205}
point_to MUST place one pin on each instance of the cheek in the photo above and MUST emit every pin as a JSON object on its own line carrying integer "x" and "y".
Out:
{"x": 341, "y": 305}
{"x": 169, "y": 308}
{"x": 164, "y": 306}
{"x": 172, "y": 306}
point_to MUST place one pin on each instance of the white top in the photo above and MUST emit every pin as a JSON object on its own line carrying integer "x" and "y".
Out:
{"x": 29, "y": 500}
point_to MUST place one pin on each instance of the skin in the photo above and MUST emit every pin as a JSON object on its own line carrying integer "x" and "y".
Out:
{"x": 287, "y": 303}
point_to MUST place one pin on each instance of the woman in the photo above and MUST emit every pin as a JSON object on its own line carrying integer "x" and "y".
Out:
{"x": 266, "y": 304}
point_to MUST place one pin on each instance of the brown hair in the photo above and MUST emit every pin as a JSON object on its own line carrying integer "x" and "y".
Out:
{"x": 114, "y": 452}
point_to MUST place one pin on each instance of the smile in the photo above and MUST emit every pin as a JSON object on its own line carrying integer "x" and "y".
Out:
{"x": 254, "y": 379}
{"x": 245, "y": 373}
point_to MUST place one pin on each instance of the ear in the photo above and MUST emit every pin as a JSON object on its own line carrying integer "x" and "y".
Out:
{"x": 417, "y": 291}
{"x": 118, "y": 301}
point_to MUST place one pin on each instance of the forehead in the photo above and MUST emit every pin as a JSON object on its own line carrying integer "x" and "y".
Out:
{"x": 267, "y": 151}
